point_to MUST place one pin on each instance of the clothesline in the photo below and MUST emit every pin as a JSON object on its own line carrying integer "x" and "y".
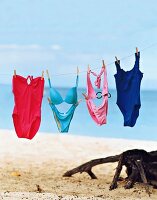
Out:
{"x": 109, "y": 64}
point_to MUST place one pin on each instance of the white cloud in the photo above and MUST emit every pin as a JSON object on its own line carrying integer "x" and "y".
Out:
{"x": 19, "y": 47}
{"x": 55, "y": 47}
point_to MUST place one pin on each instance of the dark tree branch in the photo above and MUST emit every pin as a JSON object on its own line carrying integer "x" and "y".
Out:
{"x": 117, "y": 173}
{"x": 141, "y": 166}
{"x": 87, "y": 167}
{"x": 143, "y": 175}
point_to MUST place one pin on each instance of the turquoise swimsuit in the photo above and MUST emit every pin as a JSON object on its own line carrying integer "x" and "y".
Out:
{"x": 63, "y": 119}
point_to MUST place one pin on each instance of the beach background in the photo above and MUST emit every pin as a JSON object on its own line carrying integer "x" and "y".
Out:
{"x": 42, "y": 161}
{"x": 59, "y": 36}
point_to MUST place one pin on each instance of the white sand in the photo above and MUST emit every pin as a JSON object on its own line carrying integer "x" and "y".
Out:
{"x": 44, "y": 160}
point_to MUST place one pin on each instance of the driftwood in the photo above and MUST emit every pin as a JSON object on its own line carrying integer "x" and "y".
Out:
{"x": 141, "y": 166}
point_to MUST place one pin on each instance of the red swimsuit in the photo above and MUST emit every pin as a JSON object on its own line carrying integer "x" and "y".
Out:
{"x": 27, "y": 110}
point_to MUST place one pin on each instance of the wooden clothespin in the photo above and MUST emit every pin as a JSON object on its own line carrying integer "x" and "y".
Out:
{"x": 85, "y": 95}
{"x": 103, "y": 64}
{"x": 47, "y": 72}
{"x": 49, "y": 100}
{"x": 78, "y": 71}
{"x": 117, "y": 59}
{"x": 137, "y": 50}
{"x": 14, "y": 72}
{"x": 42, "y": 76}
{"x": 88, "y": 69}
{"x": 79, "y": 101}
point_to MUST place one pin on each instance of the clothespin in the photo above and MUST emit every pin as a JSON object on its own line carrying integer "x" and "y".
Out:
{"x": 14, "y": 72}
{"x": 103, "y": 64}
{"x": 88, "y": 69}
{"x": 49, "y": 100}
{"x": 116, "y": 59}
{"x": 42, "y": 76}
{"x": 47, "y": 72}
{"x": 137, "y": 50}
{"x": 78, "y": 71}
{"x": 85, "y": 96}
{"x": 79, "y": 101}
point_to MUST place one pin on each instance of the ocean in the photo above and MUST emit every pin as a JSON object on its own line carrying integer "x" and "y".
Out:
{"x": 82, "y": 123}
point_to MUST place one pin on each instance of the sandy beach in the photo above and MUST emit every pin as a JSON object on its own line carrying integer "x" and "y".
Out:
{"x": 43, "y": 160}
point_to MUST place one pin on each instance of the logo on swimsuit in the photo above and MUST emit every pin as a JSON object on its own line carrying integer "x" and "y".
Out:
{"x": 99, "y": 95}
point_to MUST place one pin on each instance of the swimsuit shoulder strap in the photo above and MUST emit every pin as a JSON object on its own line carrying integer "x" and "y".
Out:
{"x": 49, "y": 81}
{"x": 137, "y": 60}
{"x": 77, "y": 79}
{"x": 117, "y": 63}
{"x": 105, "y": 84}
{"x": 93, "y": 73}
{"x": 98, "y": 77}
{"x": 90, "y": 90}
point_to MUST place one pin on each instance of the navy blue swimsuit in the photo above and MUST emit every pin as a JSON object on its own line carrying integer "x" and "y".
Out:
{"x": 128, "y": 91}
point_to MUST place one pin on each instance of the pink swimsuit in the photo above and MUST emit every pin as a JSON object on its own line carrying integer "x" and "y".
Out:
{"x": 99, "y": 114}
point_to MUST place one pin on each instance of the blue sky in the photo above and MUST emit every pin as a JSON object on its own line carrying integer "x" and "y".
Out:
{"x": 60, "y": 35}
